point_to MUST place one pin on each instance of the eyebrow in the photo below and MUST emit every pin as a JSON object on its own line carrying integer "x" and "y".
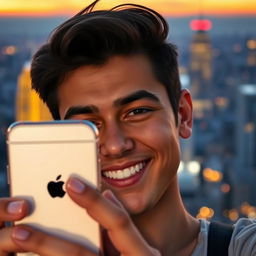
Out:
{"x": 90, "y": 109}
{"x": 79, "y": 110}
{"x": 138, "y": 95}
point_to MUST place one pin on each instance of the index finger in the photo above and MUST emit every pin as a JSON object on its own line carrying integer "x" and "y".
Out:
{"x": 112, "y": 216}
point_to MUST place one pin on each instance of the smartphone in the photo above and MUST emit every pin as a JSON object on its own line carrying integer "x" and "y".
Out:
{"x": 42, "y": 156}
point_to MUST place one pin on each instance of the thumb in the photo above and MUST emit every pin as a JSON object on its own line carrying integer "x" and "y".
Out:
{"x": 108, "y": 194}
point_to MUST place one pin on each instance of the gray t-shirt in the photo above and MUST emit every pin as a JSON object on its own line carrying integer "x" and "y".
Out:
{"x": 243, "y": 240}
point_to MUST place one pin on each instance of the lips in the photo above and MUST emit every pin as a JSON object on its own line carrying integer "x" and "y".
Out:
{"x": 124, "y": 173}
{"x": 125, "y": 176}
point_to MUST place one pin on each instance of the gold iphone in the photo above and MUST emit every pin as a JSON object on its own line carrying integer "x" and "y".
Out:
{"x": 42, "y": 156}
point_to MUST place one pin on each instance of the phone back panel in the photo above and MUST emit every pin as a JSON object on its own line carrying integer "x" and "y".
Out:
{"x": 41, "y": 158}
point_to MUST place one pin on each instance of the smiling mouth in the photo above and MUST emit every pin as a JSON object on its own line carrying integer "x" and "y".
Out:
{"x": 125, "y": 173}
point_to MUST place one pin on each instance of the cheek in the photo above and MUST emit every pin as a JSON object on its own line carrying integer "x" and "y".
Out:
{"x": 169, "y": 153}
{"x": 160, "y": 135}
{"x": 164, "y": 140}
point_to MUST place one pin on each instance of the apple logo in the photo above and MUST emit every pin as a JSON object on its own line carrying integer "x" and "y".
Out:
{"x": 55, "y": 189}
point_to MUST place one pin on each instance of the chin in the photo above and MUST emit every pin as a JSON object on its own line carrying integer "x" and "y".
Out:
{"x": 135, "y": 207}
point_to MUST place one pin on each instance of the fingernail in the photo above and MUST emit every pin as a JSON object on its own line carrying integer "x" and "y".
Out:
{"x": 15, "y": 207}
{"x": 76, "y": 185}
{"x": 20, "y": 234}
{"x": 110, "y": 196}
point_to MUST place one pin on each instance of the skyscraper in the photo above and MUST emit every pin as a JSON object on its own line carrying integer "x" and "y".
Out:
{"x": 28, "y": 105}
{"x": 251, "y": 57}
{"x": 200, "y": 72}
{"x": 251, "y": 60}
{"x": 246, "y": 144}
{"x": 200, "y": 59}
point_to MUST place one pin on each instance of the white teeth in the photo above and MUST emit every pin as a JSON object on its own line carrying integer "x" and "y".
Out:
{"x": 120, "y": 175}
{"x": 125, "y": 173}
{"x": 132, "y": 170}
{"x": 114, "y": 175}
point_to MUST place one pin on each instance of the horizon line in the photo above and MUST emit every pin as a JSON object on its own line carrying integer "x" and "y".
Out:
{"x": 169, "y": 15}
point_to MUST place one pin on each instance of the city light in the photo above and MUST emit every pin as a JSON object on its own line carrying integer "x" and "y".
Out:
{"x": 193, "y": 167}
{"x": 233, "y": 215}
{"x": 9, "y": 50}
{"x": 205, "y": 213}
{"x": 251, "y": 44}
{"x": 188, "y": 177}
{"x": 248, "y": 89}
{"x": 221, "y": 102}
{"x": 248, "y": 210}
{"x": 225, "y": 188}
{"x": 249, "y": 127}
{"x": 181, "y": 167}
{"x": 201, "y": 25}
{"x": 211, "y": 175}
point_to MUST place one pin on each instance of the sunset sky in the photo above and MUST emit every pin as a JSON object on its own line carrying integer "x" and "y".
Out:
{"x": 166, "y": 7}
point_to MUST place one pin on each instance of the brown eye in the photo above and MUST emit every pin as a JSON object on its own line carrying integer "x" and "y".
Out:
{"x": 139, "y": 111}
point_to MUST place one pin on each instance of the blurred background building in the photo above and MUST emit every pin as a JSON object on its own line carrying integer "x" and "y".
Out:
{"x": 28, "y": 104}
{"x": 246, "y": 145}
{"x": 217, "y": 174}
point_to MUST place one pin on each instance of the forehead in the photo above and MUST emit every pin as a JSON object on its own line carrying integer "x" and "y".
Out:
{"x": 118, "y": 77}
{"x": 117, "y": 69}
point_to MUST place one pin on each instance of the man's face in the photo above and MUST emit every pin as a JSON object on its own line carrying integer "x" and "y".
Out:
{"x": 138, "y": 137}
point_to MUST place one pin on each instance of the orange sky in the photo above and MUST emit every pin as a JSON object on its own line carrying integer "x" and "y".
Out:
{"x": 166, "y": 7}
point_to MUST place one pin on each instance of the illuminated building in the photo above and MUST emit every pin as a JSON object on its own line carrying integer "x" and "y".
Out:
{"x": 200, "y": 74}
{"x": 201, "y": 66}
{"x": 28, "y": 105}
{"x": 246, "y": 144}
{"x": 251, "y": 57}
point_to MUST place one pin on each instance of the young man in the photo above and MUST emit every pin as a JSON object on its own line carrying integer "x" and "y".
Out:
{"x": 116, "y": 69}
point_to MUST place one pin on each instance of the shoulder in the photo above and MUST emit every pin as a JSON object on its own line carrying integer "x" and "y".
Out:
{"x": 242, "y": 243}
{"x": 201, "y": 248}
{"x": 243, "y": 240}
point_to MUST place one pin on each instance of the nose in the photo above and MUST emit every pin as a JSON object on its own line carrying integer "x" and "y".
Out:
{"x": 115, "y": 141}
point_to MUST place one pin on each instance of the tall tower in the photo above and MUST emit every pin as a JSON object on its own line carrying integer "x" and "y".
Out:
{"x": 246, "y": 144}
{"x": 28, "y": 105}
{"x": 251, "y": 60}
{"x": 200, "y": 72}
{"x": 200, "y": 58}
{"x": 251, "y": 57}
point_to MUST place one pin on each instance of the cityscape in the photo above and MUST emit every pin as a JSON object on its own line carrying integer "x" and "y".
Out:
{"x": 217, "y": 59}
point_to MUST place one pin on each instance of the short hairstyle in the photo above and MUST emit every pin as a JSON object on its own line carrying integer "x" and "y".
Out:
{"x": 91, "y": 37}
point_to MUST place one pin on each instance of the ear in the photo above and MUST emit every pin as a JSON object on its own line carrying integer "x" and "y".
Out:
{"x": 185, "y": 114}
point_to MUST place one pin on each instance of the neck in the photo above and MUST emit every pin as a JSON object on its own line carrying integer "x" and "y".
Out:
{"x": 168, "y": 226}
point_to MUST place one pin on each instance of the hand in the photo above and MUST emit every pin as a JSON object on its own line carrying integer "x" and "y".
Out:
{"x": 10, "y": 210}
{"x": 112, "y": 216}
{"x": 25, "y": 239}
{"x": 105, "y": 209}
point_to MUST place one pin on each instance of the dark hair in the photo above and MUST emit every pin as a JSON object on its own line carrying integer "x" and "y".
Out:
{"x": 92, "y": 37}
